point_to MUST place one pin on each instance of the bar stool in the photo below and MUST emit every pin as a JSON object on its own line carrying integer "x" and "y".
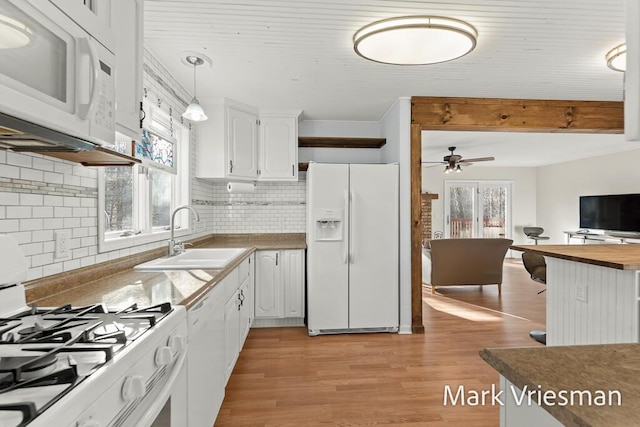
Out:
{"x": 535, "y": 233}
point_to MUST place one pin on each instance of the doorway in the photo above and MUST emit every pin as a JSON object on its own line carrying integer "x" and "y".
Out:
{"x": 474, "y": 209}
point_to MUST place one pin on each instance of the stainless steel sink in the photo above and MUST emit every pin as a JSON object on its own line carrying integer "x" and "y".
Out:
{"x": 193, "y": 259}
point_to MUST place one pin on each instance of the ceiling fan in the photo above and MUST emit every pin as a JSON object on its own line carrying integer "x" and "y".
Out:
{"x": 453, "y": 161}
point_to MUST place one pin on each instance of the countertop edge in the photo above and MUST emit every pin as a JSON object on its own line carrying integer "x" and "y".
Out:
{"x": 539, "y": 249}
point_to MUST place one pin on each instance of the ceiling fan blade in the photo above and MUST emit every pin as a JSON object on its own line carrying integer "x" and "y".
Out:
{"x": 440, "y": 163}
{"x": 433, "y": 166}
{"x": 478, "y": 159}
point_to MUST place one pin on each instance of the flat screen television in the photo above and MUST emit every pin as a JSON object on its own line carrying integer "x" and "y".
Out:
{"x": 613, "y": 212}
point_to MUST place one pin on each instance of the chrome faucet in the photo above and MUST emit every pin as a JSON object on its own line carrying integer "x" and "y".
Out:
{"x": 176, "y": 248}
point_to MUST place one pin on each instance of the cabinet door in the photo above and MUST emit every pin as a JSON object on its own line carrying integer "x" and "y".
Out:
{"x": 268, "y": 296}
{"x": 278, "y": 149}
{"x": 242, "y": 144}
{"x": 232, "y": 333}
{"x": 293, "y": 282}
{"x": 245, "y": 311}
{"x": 126, "y": 17}
{"x": 206, "y": 359}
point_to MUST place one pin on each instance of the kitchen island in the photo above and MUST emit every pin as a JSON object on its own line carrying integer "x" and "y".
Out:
{"x": 597, "y": 385}
{"x": 593, "y": 293}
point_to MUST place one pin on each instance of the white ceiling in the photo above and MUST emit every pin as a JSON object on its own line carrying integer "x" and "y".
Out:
{"x": 299, "y": 54}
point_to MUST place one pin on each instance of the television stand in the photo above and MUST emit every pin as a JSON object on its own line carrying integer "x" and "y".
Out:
{"x": 580, "y": 237}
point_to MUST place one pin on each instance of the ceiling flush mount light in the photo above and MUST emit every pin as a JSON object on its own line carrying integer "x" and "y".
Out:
{"x": 415, "y": 40}
{"x": 13, "y": 34}
{"x": 617, "y": 58}
{"x": 194, "y": 111}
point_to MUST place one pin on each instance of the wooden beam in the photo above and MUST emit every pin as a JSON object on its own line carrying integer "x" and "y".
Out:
{"x": 517, "y": 115}
{"x": 416, "y": 229}
{"x": 303, "y": 166}
{"x": 340, "y": 142}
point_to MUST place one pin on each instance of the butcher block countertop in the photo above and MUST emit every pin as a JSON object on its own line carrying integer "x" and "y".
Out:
{"x": 592, "y": 368}
{"x": 118, "y": 285}
{"x": 618, "y": 256}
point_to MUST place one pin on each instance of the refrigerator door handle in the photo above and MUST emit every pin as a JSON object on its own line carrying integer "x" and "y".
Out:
{"x": 346, "y": 227}
{"x": 351, "y": 239}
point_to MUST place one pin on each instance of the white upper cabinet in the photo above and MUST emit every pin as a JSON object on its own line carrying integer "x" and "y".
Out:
{"x": 241, "y": 144}
{"x": 127, "y": 23}
{"x": 278, "y": 146}
{"x": 234, "y": 145}
{"x": 227, "y": 143}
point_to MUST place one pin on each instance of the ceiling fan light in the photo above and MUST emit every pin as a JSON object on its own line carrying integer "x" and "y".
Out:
{"x": 617, "y": 58}
{"x": 447, "y": 169}
{"x": 415, "y": 40}
{"x": 194, "y": 112}
{"x": 458, "y": 169}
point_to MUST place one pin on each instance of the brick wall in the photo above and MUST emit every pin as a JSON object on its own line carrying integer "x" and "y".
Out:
{"x": 426, "y": 215}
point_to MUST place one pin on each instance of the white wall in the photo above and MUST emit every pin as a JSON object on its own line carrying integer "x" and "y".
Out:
{"x": 561, "y": 185}
{"x": 396, "y": 127}
{"x": 524, "y": 188}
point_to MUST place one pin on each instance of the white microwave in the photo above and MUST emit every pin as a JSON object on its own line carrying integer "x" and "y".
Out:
{"x": 57, "y": 76}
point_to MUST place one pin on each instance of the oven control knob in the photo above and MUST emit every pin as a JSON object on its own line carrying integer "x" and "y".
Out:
{"x": 163, "y": 356}
{"x": 176, "y": 343}
{"x": 133, "y": 388}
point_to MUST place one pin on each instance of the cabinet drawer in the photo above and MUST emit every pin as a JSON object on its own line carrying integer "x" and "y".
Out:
{"x": 230, "y": 284}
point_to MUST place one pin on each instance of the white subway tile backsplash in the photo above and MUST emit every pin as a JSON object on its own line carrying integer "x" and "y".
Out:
{"x": 51, "y": 269}
{"x": 64, "y": 168}
{"x": 17, "y": 159}
{"x": 31, "y": 199}
{"x": 86, "y": 202}
{"x": 62, "y": 212}
{"x": 72, "y": 180}
{"x": 42, "y": 235}
{"x": 19, "y": 212}
{"x": 42, "y": 259}
{"x": 54, "y": 200}
{"x": 53, "y": 223}
{"x": 9, "y": 171}
{"x": 53, "y": 178}
{"x": 31, "y": 224}
{"x": 42, "y": 212}
{"x": 31, "y": 249}
{"x": 71, "y": 222}
{"x": 43, "y": 164}
{"x": 49, "y": 246}
{"x": 31, "y": 174}
{"x": 80, "y": 212}
{"x": 9, "y": 198}
{"x": 72, "y": 201}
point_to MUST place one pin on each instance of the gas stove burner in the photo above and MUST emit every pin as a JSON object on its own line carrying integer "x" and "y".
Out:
{"x": 108, "y": 329}
{"x": 31, "y": 329}
{"x": 40, "y": 367}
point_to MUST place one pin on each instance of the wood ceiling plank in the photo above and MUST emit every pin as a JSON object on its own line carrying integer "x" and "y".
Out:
{"x": 340, "y": 142}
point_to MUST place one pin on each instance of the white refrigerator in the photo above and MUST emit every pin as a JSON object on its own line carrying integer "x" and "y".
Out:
{"x": 352, "y": 248}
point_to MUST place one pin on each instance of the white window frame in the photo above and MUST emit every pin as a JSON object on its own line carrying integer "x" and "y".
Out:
{"x": 181, "y": 192}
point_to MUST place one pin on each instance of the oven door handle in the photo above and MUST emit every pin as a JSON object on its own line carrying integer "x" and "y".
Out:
{"x": 159, "y": 401}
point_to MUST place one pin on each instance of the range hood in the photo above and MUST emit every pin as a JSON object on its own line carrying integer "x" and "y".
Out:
{"x": 21, "y": 135}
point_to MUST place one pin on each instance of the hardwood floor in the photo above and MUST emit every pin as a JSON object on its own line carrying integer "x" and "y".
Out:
{"x": 286, "y": 378}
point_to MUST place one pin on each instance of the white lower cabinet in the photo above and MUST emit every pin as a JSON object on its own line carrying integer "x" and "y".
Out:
{"x": 218, "y": 326}
{"x": 279, "y": 289}
{"x": 205, "y": 367}
{"x": 238, "y": 313}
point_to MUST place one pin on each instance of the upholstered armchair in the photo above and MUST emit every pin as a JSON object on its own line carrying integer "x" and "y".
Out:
{"x": 458, "y": 262}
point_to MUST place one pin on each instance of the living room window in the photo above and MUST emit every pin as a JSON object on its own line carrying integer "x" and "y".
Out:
{"x": 477, "y": 209}
{"x": 136, "y": 202}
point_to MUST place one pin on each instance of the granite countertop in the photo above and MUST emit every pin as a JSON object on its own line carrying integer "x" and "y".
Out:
{"x": 607, "y": 367}
{"x": 618, "y": 256}
{"x": 117, "y": 285}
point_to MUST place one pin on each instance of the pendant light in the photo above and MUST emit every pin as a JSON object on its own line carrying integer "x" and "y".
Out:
{"x": 194, "y": 111}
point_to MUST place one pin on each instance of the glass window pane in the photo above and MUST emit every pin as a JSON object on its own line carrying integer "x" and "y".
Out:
{"x": 494, "y": 211}
{"x": 118, "y": 206}
{"x": 461, "y": 209}
{"x": 160, "y": 198}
